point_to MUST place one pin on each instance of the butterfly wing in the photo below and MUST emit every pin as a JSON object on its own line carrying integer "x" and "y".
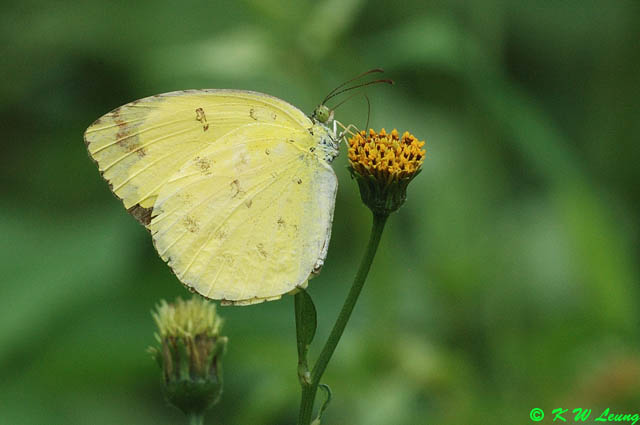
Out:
{"x": 227, "y": 182}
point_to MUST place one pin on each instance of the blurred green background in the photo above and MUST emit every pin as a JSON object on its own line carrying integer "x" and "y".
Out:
{"x": 509, "y": 280}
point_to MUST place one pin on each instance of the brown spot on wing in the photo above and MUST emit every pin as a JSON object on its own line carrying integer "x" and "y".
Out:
{"x": 191, "y": 224}
{"x": 261, "y": 251}
{"x": 221, "y": 233}
{"x": 317, "y": 267}
{"x": 129, "y": 142}
{"x": 200, "y": 116}
{"x": 236, "y": 190}
{"x": 204, "y": 165}
{"x": 142, "y": 214}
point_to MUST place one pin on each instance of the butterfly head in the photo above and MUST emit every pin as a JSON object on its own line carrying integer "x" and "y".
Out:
{"x": 323, "y": 115}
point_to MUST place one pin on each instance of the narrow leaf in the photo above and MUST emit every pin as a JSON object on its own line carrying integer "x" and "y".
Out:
{"x": 305, "y": 322}
{"x": 326, "y": 402}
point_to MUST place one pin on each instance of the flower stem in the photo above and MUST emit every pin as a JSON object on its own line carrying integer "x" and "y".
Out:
{"x": 309, "y": 391}
{"x": 196, "y": 418}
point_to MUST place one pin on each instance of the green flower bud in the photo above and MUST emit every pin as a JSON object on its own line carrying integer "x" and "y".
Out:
{"x": 189, "y": 353}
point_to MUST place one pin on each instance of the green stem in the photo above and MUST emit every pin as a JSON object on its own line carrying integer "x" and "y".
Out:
{"x": 309, "y": 391}
{"x": 303, "y": 368}
{"x": 196, "y": 418}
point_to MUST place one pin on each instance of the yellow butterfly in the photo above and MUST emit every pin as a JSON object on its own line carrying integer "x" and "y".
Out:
{"x": 235, "y": 186}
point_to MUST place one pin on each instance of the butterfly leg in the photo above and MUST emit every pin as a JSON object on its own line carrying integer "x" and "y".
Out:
{"x": 348, "y": 130}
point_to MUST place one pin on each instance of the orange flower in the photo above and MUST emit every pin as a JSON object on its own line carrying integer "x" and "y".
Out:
{"x": 384, "y": 164}
{"x": 386, "y": 157}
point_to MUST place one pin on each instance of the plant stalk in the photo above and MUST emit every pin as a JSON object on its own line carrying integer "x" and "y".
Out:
{"x": 196, "y": 418}
{"x": 309, "y": 391}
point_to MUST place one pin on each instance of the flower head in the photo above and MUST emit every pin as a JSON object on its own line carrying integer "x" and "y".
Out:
{"x": 186, "y": 319}
{"x": 190, "y": 352}
{"x": 383, "y": 165}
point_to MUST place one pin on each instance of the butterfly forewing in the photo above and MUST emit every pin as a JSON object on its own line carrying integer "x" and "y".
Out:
{"x": 140, "y": 145}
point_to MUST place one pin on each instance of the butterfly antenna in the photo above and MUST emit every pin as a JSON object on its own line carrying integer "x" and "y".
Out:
{"x": 371, "y": 71}
{"x": 348, "y": 98}
{"x": 368, "y": 83}
{"x": 366, "y": 127}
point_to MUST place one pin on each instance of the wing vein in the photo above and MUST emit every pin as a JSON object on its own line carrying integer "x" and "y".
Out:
{"x": 150, "y": 142}
{"x": 143, "y": 169}
{"x": 93, "y": 129}
{"x": 144, "y": 130}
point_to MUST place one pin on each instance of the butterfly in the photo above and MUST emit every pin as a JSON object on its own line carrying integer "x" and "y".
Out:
{"x": 235, "y": 187}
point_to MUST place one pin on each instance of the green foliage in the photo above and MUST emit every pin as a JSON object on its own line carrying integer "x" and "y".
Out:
{"x": 508, "y": 280}
{"x": 306, "y": 322}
